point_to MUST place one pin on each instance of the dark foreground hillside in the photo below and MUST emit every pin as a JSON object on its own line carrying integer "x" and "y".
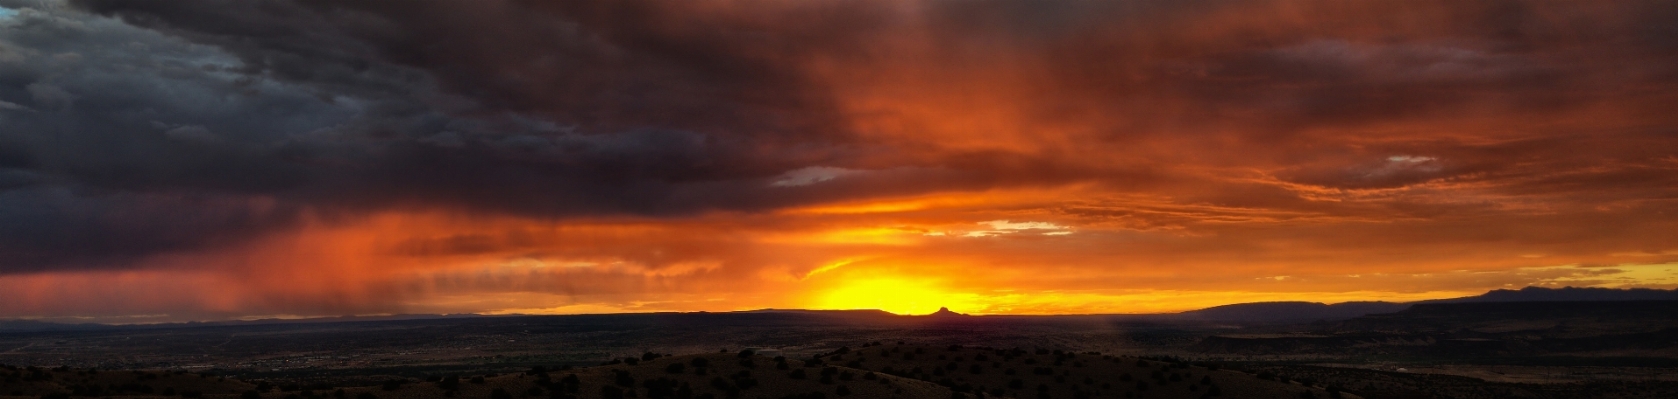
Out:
{"x": 872, "y": 371}
{"x": 1489, "y": 331}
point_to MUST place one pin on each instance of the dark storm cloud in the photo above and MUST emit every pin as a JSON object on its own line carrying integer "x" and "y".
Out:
{"x": 221, "y": 120}
{"x": 127, "y": 142}
{"x": 329, "y": 107}
{"x": 51, "y": 225}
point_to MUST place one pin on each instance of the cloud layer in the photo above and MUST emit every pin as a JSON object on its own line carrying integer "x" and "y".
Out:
{"x": 302, "y": 157}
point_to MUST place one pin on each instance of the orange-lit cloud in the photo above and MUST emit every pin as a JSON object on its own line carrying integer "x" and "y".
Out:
{"x": 302, "y": 158}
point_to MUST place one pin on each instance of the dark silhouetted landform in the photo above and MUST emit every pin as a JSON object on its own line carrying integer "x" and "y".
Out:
{"x": 873, "y": 370}
{"x": 1308, "y": 311}
{"x": 1577, "y": 349}
{"x": 1293, "y": 311}
{"x": 1567, "y": 294}
{"x": 1518, "y": 333}
{"x": 946, "y": 312}
{"x": 1258, "y": 312}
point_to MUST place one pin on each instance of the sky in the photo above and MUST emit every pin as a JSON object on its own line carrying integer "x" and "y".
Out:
{"x": 170, "y": 160}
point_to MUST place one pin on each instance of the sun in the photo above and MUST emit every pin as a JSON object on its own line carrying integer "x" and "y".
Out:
{"x": 896, "y": 295}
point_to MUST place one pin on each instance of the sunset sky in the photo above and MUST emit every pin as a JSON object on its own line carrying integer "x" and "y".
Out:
{"x": 169, "y": 160}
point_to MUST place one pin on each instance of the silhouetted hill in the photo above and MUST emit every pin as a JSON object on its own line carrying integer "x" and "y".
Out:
{"x": 1292, "y": 311}
{"x": 1627, "y": 332}
{"x": 41, "y": 326}
{"x": 1310, "y": 311}
{"x": 870, "y": 371}
{"x": 1573, "y": 317}
{"x": 1566, "y": 294}
{"x": 946, "y": 312}
{"x": 1257, "y": 312}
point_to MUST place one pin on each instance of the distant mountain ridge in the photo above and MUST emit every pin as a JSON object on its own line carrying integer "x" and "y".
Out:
{"x": 1296, "y": 311}
{"x": 1566, "y": 294}
{"x": 1292, "y": 311}
{"x": 42, "y": 326}
{"x": 1257, "y": 312}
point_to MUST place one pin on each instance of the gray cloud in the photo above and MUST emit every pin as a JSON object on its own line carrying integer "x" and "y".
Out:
{"x": 234, "y": 117}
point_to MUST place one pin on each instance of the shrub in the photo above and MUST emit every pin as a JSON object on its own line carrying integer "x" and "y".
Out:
{"x": 611, "y": 392}
{"x": 660, "y": 388}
